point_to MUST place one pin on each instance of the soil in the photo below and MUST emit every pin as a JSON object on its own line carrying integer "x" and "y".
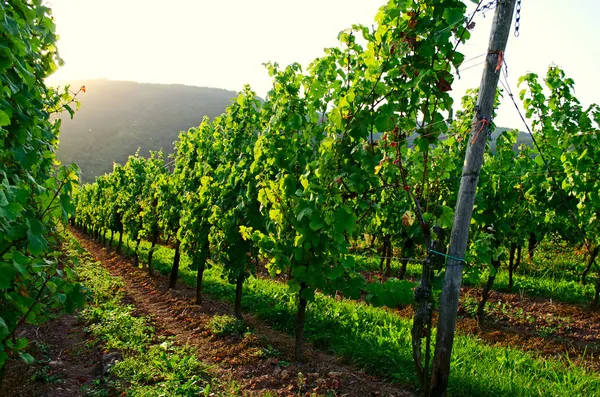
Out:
{"x": 64, "y": 362}
{"x": 567, "y": 331}
{"x": 564, "y": 331}
{"x": 238, "y": 358}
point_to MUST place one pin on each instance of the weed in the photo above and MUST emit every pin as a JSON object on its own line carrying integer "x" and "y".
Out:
{"x": 284, "y": 364}
{"x": 44, "y": 350}
{"x": 301, "y": 379}
{"x": 226, "y": 325}
{"x": 469, "y": 304}
{"x": 121, "y": 330}
{"x": 45, "y": 374}
{"x": 545, "y": 330}
{"x": 163, "y": 370}
{"x": 102, "y": 387}
{"x": 519, "y": 313}
{"x": 530, "y": 319}
{"x": 148, "y": 368}
{"x": 269, "y": 351}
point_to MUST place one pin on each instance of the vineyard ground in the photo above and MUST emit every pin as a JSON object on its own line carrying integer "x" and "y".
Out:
{"x": 256, "y": 362}
{"x": 386, "y": 354}
{"x": 64, "y": 362}
{"x": 557, "y": 329}
{"x": 531, "y": 323}
{"x": 260, "y": 361}
{"x": 552, "y": 275}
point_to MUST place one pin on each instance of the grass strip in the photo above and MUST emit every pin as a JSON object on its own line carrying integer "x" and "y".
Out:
{"x": 540, "y": 279}
{"x": 148, "y": 365}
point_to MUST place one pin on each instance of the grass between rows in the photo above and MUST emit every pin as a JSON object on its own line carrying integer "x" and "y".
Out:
{"x": 379, "y": 340}
{"x": 150, "y": 365}
{"x": 549, "y": 276}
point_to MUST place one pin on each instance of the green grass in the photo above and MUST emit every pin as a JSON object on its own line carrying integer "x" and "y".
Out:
{"x": 226, "y": 325}
{"x": 379, "y": 340}
{"x": 152, "y": 365}
{"x": 550, "y": 275}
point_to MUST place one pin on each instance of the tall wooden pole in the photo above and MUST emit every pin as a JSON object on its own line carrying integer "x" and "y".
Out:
{"x": 466, "y": 197}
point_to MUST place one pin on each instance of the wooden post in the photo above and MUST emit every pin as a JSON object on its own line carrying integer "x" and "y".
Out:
{"x": 466, "y": 197}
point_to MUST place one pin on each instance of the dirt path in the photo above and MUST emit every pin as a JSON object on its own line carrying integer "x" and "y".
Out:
{"x": 552, "y": 329}
{"x": 64, "y": 362}
{"x": 241, "y": 359}
{"x": 538, "y": 324}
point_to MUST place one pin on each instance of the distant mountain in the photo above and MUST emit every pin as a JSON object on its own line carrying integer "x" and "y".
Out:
{"x": 118, "y": 117}
{"x": 522, "y": 139}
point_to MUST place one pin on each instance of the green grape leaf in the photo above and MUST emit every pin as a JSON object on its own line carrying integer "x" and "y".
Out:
{"x": 453, "y": 15}
{"x": 447, "y": 218}
{"x": 35, "y": 235}
{"x": 305, "y": 211}
{"x": 11, "y": 211}
{"x": 295, "y": 121}
{"x": 316, "y": 222}
{"x": 7, "y": 275}
{"x": 4, "y": 119}
{"x": 344, "y": 221}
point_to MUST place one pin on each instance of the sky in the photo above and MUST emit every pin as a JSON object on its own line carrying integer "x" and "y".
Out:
{"x": 224, "y": 43}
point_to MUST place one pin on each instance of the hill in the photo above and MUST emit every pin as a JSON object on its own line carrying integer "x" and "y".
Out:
{"x": 523, "y": 139}
{"x": 118, "y": 117}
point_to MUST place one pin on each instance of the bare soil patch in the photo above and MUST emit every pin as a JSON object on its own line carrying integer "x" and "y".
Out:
{"x": 65, "y": 362}
{"x": 565, "y": 331}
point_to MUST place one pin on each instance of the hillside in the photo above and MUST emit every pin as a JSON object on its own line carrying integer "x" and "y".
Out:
{"x": 118, "y": 117}
{"x": 522, "y": 139}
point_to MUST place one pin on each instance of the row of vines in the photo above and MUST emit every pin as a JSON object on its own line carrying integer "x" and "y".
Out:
{"x": 35, "y": 192}
{"x": 361, "y": 148}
